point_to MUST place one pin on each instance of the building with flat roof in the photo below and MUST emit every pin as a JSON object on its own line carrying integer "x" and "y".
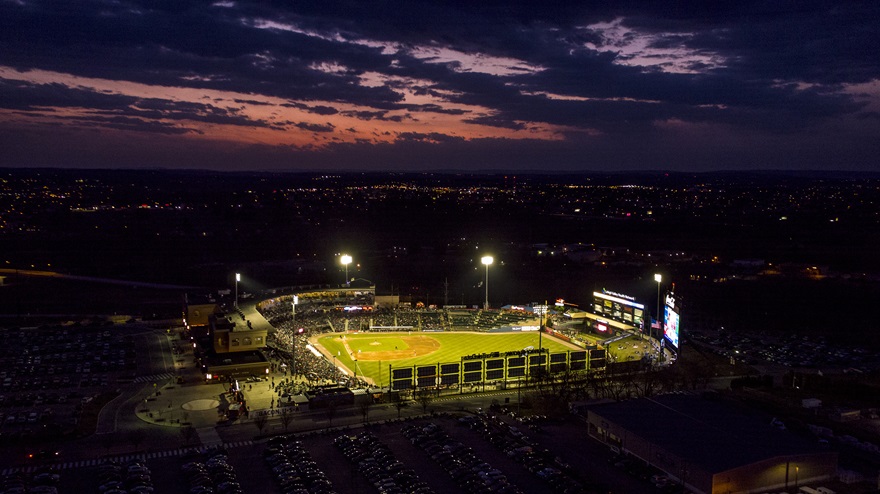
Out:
{"x": 710, "y": 444}
{"x": 229, "y": 335}
{"x": 227, "y": 344}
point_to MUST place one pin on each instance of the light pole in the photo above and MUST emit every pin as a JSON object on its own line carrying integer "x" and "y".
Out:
{"x": 237, "y": 279}
{"x": 345, "y": 260}
{"x": 355, "y": 370}
{"x": 487, "y": 260}
{"x": 659, "y": 279}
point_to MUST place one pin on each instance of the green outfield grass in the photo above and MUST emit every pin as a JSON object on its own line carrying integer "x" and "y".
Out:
{"x": 452, "y": 346}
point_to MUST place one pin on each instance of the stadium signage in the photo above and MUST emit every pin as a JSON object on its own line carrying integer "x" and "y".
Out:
{"x": 524, "y": 328}
{"x": 614, "y": 298}
{"x": 515, "y": 353}
{"x": 670, "y": 300}
{"x": 620, "y": 295}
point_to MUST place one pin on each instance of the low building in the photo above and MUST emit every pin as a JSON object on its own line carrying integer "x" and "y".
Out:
{"x": 229, "y": 335}
{"x": 331, "y": 396}
{"x": 236, "y": 365}
{"x": 711, "y": 445}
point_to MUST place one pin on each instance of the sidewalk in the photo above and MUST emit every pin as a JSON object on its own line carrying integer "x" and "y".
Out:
{"x": 201, "y": 404}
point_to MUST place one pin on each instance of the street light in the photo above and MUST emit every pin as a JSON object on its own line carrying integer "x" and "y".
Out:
{"x": 487, "y": 260}
{"x": 345, "y": 260}
{"x": 237, "y": 279}
{"x": 293, "y": 340}
{"x": 659, "y": 279}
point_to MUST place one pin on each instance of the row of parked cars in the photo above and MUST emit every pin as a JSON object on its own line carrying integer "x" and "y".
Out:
{"x": 559, "y": 476}
{"x": 470, "y": 473}
{"x": 42, "y": 481}
{"x": 213, "y": 476}
{"x": 36, "y": 356}
{"x": 46, "y": 371}
{"x": 128, "y": 478}
{"x": 377, "y": 463}
{"x": 753, "y": 347}
{"x": 293, "y": 468}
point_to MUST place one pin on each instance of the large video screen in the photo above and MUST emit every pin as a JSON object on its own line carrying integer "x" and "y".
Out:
{"x": 620, "y": 307}
{"x": 670, "y": 330}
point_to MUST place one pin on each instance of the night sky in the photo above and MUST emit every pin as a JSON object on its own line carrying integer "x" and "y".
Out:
{"x": 416, "y": 85}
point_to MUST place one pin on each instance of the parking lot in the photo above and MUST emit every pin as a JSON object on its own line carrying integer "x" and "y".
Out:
{"x": 491, "y": 455}
{"x": 54, "y": 377}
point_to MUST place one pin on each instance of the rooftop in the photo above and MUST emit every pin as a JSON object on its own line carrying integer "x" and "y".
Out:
{"x": 714, "y": 433}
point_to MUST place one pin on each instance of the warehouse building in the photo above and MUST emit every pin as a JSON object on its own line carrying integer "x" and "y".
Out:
{"x": 711, "y": 445}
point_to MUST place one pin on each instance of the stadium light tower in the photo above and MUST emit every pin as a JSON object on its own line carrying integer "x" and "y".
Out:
{"x": 659, "y": 279}
{"x": 487, "y": 260}
{"x": 237, "y": 279}
{"x": 345, "y": 260}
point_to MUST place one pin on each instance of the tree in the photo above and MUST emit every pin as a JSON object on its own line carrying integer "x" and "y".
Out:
{"x": 330, "y": 412}
{"x": 187, "y": 434}
{"x": 648, "y": 382}
{"x": 364, "y": 408}
{"x": 554, "y": 392}
{"x": 260, "y": 422}
{"x": 399, "y": 401}
{"x": 424, "y": 397}
{"x": 286, "y": 417}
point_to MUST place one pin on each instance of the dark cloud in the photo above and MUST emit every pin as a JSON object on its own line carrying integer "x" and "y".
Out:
{"x": 778, "y": 70}
{"x": 432, "y": 137}
{"x": 318, "y": 109}
{"x": 431, "y": 108}
{"x": 311, "y": 127}
{"x": 21, "y": 95}
{"x": 133, "y": 124}
{"x": 376, "y": 115}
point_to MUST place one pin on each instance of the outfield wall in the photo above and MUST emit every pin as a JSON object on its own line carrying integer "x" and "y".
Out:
{"x": 494, "y": 368}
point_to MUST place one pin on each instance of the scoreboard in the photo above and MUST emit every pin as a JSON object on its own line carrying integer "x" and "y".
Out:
{"x": 619, "y": 307}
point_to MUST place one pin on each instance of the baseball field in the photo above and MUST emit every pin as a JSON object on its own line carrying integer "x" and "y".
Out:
{"x": 369, "y": 354}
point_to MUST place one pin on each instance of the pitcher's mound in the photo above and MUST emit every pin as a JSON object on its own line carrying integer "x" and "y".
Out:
{"x": 201, "y": 405}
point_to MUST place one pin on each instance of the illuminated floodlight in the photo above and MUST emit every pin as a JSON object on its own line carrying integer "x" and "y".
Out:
{"x": 487, "y": 260}
{"x": 237, "y": 279}
{"x": 345, "y": 259}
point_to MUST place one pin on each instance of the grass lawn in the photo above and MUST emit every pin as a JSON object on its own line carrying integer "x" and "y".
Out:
{"x": 375, "y": 351}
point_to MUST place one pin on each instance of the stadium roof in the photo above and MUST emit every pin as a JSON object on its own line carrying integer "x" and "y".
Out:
{"x": 716, "y": 434}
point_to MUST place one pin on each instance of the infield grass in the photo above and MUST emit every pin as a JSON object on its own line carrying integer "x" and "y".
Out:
{"x": 452, "y": 346}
